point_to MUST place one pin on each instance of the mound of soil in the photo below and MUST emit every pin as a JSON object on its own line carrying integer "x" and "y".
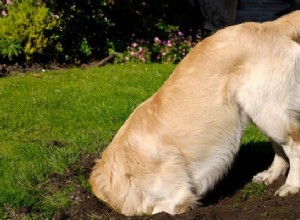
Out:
{"x": 226, "y": 202}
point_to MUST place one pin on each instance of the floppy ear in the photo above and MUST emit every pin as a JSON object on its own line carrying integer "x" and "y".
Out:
{"x": 98, "y": 181}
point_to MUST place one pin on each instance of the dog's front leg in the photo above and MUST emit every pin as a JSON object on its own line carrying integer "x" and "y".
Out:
{"x": 292, "y": 184}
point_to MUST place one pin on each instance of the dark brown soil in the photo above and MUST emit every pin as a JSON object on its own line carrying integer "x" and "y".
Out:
{"x": 16, "y": 68}
{"x": 227, "y": 201}
{"x": 11, "y": 69}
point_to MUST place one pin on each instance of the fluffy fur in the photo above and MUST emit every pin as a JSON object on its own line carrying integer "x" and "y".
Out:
{"x": 180, "y": 142}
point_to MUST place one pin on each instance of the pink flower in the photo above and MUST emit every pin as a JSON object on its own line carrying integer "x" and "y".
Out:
{"x": 8, "y": 2}
{"x": 132, "y": 53}
{"x": 4, "y": 13}
{"x": 134, "y": 44}
{"x": 169, "y": 43}
{"x": 180, "y": 33}
{"x": 140, "y": 49}
{"x": 157, "y": 40}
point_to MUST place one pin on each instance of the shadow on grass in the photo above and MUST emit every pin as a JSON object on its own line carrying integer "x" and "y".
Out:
{"x": 251, "y": 159}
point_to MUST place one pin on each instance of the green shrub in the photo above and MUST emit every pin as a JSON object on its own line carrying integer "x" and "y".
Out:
{"x": 23, "y": 32}
{"x": 85, "y": 48}
{"x": 10, "y": 48}
{"x": 83, "y": 28}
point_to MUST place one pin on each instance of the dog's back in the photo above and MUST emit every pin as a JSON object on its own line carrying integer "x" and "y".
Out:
{"x": 177, "y": 144}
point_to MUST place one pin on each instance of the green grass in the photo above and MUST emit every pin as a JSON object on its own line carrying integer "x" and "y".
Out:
{"x": 253, "y": 190}
{"x": 79, "y": 108}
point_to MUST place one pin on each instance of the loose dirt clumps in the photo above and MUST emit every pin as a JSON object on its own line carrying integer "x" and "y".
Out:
{"x": 227, "y": 201}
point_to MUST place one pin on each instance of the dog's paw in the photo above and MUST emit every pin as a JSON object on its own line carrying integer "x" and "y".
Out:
{"x": 286, "y": 190}
{"x": 260, "y": 177}
{"x": 264, "y": 177}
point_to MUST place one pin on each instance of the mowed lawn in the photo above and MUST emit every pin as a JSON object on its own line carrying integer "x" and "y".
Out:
{"x": 47, "y": 120}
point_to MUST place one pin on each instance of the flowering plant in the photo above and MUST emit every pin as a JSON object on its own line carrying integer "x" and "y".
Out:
{"x": 138, "y": 51}
{"x": 175, "y": 47}
{"x": 170, "y": 47}
{"x": 3, "y": 7}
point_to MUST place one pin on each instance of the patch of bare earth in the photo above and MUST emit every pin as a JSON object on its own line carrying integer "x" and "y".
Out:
{"x": 225, "y": 202}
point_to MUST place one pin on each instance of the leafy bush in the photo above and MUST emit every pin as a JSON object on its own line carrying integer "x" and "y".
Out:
{"x": 23, "y": 30}
{"x": 10, "y": 48}
{"x": 83, "y": 28}
{"x": 85, "y": 47}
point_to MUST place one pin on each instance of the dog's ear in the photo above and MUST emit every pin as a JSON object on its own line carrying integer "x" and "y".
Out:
{"x": 98, "y": 180}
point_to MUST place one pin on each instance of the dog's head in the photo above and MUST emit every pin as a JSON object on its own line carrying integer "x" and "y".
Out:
{"x": 113, "y": 184}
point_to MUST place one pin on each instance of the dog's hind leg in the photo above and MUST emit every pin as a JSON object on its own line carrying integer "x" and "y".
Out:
{"x": 269, "y": 95}
{"x": 278, "y": 168}
{"x": 283, "y": 134}
{"x": 274, "y": 118}
{"x": 292, "y": 150}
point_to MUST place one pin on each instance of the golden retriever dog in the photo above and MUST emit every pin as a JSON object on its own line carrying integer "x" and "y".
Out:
{"x": 180, "y": 142}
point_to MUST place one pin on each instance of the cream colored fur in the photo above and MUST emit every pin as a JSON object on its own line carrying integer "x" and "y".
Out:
{"x": 180, "y": 142}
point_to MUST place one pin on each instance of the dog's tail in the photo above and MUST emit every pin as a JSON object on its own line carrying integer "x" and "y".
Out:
{"x": 289, "y": 24}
